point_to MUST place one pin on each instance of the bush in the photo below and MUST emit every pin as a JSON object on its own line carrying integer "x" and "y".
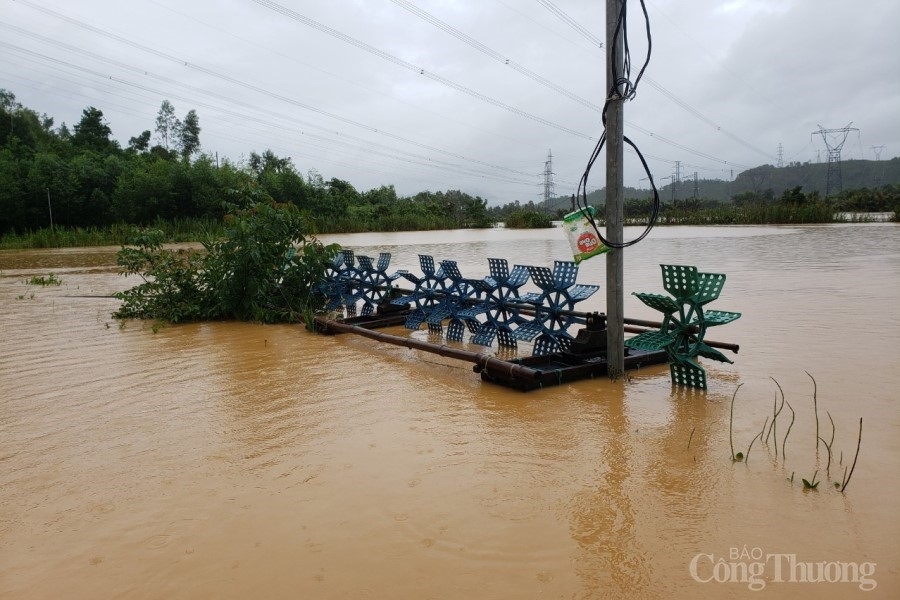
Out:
{"x": 528, "y": 219}
{"x": 265, "y": 268}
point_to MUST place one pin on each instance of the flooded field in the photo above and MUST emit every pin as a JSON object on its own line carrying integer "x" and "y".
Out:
{"x": 233, "y": 460}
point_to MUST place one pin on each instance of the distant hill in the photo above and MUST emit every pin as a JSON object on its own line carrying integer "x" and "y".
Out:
{"x": 855, "y": 174}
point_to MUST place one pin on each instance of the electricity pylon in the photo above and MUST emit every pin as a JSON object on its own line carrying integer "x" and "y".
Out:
{"x": 878, "y": 172}
{"x": 834, "y": 140}
{"x": 548, "y": 180}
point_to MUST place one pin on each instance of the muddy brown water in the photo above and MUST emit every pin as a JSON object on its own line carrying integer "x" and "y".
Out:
{"x": 233, "y": 460}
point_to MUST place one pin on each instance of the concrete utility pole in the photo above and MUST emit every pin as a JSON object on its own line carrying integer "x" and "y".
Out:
{"x": 615, "y": 121}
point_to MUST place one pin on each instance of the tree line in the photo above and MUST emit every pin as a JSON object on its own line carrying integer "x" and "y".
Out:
{"x": 749, "y": 208}
{"x": 84, "y": 178}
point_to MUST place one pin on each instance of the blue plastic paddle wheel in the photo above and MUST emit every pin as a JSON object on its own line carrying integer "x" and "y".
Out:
{"x": 501, "y": 304}
{"x": 349, "y": 279}
{"x": 334, "y": 283}
{"x": 374, "y": 285}
{"x": 685, "y": 322}
{"x": 429, "y": 295}
{"x": 462, "y": 294}
{"x": 553, "y": 307}
{"x": 329, "y": 286}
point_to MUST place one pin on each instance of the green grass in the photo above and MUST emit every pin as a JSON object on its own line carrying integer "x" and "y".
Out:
{"x": 42, "y": 281}
{"x": 180, "y": 230}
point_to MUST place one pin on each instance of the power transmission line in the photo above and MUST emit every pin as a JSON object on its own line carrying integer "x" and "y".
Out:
{"x": 246, "y": 116}
{"x": 349, "y": 81}
{"x": 343, "y": 37}
{"x": 684, "y": 105}
{"x": 655, "y": 84}
{"x": 562, "y": 16}
{"x": 409, "y": 66}
{"x": 240, "y": 121}
{"x": 294, "y": 102}
{"x": 449, "y": 29}
{"x": 252, "y": 87}
{"x": 414, "y": 68}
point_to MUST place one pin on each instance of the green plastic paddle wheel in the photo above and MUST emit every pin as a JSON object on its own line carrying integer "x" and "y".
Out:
{"x": 685, "y": 321}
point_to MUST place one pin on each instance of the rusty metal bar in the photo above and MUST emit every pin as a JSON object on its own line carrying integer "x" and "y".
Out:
{"x": 480, "y": 359}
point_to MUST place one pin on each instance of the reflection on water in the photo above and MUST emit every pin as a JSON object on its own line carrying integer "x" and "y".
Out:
{"x": 235, "y": 460}
{"x": 604, "y": 523}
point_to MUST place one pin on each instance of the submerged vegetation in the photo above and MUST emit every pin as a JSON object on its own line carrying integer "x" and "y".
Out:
{"x": 527, "y": 218}
{"x": 264, "y": 268}
{"x": 42, "y": 281}
{"x": 811, "y": 483}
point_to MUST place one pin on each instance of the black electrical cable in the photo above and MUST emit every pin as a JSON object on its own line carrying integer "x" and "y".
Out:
{"x": 622, "y": 87}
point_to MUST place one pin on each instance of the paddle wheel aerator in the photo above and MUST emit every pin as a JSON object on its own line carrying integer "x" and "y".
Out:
{"x": 497, "y": 307}
{"x": 685, "y": 322}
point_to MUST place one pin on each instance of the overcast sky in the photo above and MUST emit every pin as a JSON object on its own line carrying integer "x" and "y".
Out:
{"x": 419, "y": 93}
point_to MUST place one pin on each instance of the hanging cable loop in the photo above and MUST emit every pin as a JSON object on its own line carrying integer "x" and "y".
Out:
{"x": 625, "y": 89}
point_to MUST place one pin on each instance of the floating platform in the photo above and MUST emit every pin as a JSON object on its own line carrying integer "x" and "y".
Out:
{"x": 562, "y": 367}
{"x": 366, "y": 321}
{"x": 525, "y": 374}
